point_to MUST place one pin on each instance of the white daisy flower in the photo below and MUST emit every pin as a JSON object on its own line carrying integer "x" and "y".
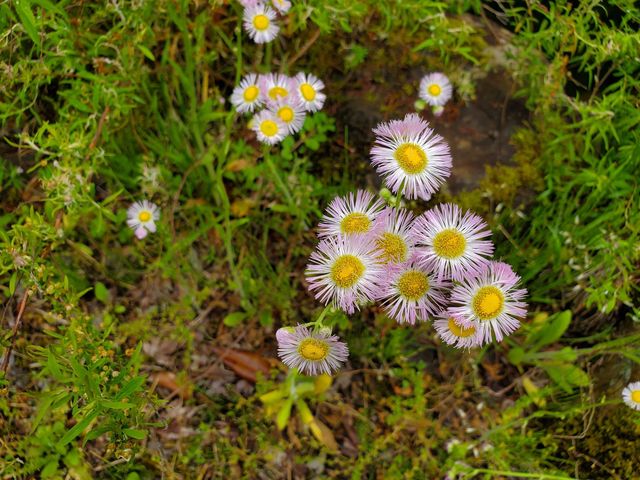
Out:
{"x": 354, "y": 214}
{"x": 276, "y": 86}
{"x": 282, "y": 6}
{"x": 343, "y": 271}
{"x": 454, "y": 333}
{"x": 490, "y": 301}
{"x": 141, "y": 218}
{"x": 291, "y": 112}
{"x": 260, "y": 24}
{"x": 407, "y": 152}
{"x": 436, "y": 89}
{"x": 456, "y": 246}
{"x": 247, "y": 96}
{"x": 631, "y": 395}
{"x": 394, "y": 242}
{"x": 311, "y": 352}
{"x": 309, "y": 91}
{"x": 268, "y": 127}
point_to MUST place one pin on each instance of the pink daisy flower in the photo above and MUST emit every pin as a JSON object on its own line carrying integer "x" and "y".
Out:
{"x": 311, "y": 352}
{"x": 451, "y": 243}
{"x": 393, "y": 239}
{"x": 411, "y": 292}
{"x": 454, "y": 333}
{"x": 409, "y": 153}
{"x": 343, "y": 271}
{"x": 354, "y": 214}
{"x": 436, "y": 89}
{"x": 142, "y": 217}
{"x": 309, "y": 91}
{"x": 490, "y": 302}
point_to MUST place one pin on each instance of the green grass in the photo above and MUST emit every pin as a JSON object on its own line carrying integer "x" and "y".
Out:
{"x": 111, "y": 365}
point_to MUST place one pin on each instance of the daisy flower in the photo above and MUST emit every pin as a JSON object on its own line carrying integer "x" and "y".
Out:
{"x": 394, "y": 242}
{"x": 435, "y": 89}
{"x": 411, "y": 292}
{"x": 354, "y": 214}
{"x": 453, "y": 332}
{"x": 268, "y": 127}
{"x": 343, "y": 271}
{"x": 309, "y": 91}
{"x": 490, "y": 301}
{"x": 451, "y": 243}
{"x": 259, "y": 22}
{"x": 409, "y": 153}
{"x": 282, "y": 6}
{"x": 631, "y": 395}
{"x": 311, "y": 352}
{"x": 277, "y": 86}
{"x": 247, "y": 96}
{"x": 291, "y": 112}
{"x": 142, "y": 217}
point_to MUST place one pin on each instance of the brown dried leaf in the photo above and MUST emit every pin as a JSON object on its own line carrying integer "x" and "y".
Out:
{"x": 244, "y": 364}
{"x": 177, "y": 386}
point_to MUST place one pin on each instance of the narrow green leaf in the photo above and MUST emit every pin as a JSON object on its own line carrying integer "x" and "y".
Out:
{"x": 28, "y": 21}
{"x": 135, "y": 433}
{"x": 79, "y": 427}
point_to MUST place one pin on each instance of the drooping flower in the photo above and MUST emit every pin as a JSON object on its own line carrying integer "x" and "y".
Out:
{"x": 260, "y": 24}
{"x": 309, "y": 91}
{"x": 490, "y": 301}
{"x": 247, "y": 96}
{"x": 435, "y": 89}
{"x": 631, "y": 395}
{"x": 277, "y": 86}
{"x": 408, "y": 153}
{"x": 412, "y": 293}
{"x": 452, "y": 243}
{"x": 393, "y": 239}
{"x": 141, "y": 218}
{"x": 454, "y": 333}
{"x": 291, "y": 112}
{"x": 282, "y": 6}
{"x": 344, "y": 272}
{"x": 268, "y": 127}
{"x": 311, "y": 352}
{"x": 354, "y": 214}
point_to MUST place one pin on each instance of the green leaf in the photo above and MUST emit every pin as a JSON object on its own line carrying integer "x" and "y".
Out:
{"x": 567, "y": 376}
{"x": 130, "y": 387}
{"x": 79, "y": 427}
{"x": 23, "y": 8}
{"x": 135, "y": 433}
{"x": 12, "y": 283}
{"x": 101, "y": 292}
{"x": 115, "y": 405}
{"x": 551, "y": 331}
{"x": 234, "y": 319}
{"x": 283, "y": 415}
{"x": 147, "y": 53}
{"x": 515, "y": 355}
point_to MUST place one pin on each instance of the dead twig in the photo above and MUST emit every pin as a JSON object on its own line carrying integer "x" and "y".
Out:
{"x": 14, "y": 334}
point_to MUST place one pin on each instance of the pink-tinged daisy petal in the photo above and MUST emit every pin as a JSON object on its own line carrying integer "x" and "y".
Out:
{"x": 140, "y": 232}
{"x": 308, "y": 89}
{"x": 344, "y": 272}
{"x": 141, "y": 218}
{"x": 354, "y": 214}
{"x": 490, "y": 301}
{"x": 453, "y": 332}
{"x": 393, "y": 239}
{"x": 247, "y": 96}
{"x": 276, "y": 86}
{"x": 312, "y": 352}
{"x": 282, "y": 6}
{"x": 436, "y": 89}
{"x": 452, "y": 243}
{"x": 408, "y": 153}
{"x": 290, "y": 111}
{"x": 412, "y": 293}
{"x": 260, "y": 23}
{"x": 631, "y": 395}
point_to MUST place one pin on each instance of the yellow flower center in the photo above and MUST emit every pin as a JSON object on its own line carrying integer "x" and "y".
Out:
{"x": 449, "y": 244}
{"x": 286, "y": 114}
{"x": 488, "y": 303}
{"x": 251, "y": 93}
{"x": 261, "y": 22}
{"x": 313, "y": 349}
{"x": 347, "y": 270}
{"x": 434, "y": 89}
{"x": 392, "y": 247}
{"x": 413, "y": 284}
{"x": 275, "y": 92}
{"x": 411, "y": 158}
{"x": 460, "y": 331}
{"x": 635, "y": 396}
{"x": 308, "y": 92}
{"x": 355, "y": 222}
{"x": 269, "y": 128}
{"x": 144, "y": 216}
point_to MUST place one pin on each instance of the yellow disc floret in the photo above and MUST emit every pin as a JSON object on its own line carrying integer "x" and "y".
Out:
{"x": 635, "y": 396}
{"x": 355, "y": 222}
{"x": 449, "y": 244}
{"x": 251, "y": 93}
{"x": 307, "y": 92}
{"x": 392, "y": 248}
{"x": 347, "y": 270}
{"x": 144, "y": 216}
{"x": 261, "y": 22}
{"x": 434, "y": 89}
{"x": 488, "y": 303}
{"x": 275, "y": 92}
{"x": 269, "y": 128}
{"x": 286, "y": 114}
{"x": 460, "y": 331}
{"x": 411, "y": 158}
{"x": 413, "y": 284}
{"x": 313, "y": 349}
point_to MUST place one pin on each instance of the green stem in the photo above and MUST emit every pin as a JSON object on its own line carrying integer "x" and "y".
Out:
{"x": 278, "y": 180}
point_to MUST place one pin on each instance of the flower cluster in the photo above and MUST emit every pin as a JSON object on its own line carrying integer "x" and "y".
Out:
{"x": 259, "y": 19}
{"x": 435, "y": 266}
{"x": 286, "y": 101}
